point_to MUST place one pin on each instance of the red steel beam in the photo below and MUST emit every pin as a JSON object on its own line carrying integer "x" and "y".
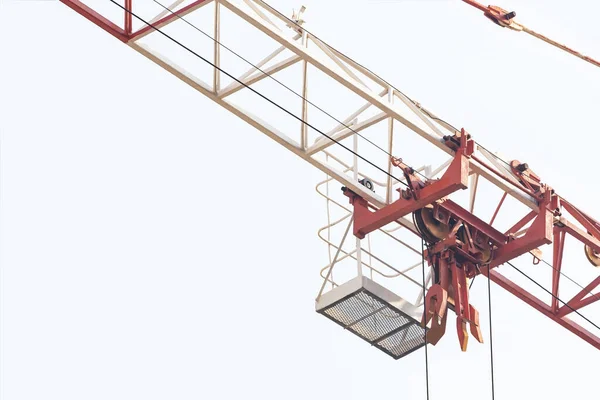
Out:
{"x": 578, "y": 300}
{"x": 522, "y": 222}
{"x": 588, "y": 223}
{"x": 97, "y": 19}
{"x": 128, "y": 17}
{"x": 504, "y": 178}
{"x": 125, "y": 35}
{"x": 580, "y": 235}
{"x": 540, "y": 231}
{"x": 536, "y": 303}
{"x": 476, "y": 5}
{"x": 557, "y": 257}
{"x": 455, "y": 178}
{"x": 477, "y": 223}
{"x": 173, "y": 16}
{"x": 538, "y": 234}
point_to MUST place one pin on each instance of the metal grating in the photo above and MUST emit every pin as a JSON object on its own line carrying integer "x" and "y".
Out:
{"x": 404, "y": 341}
{"x": 390, "y": 325}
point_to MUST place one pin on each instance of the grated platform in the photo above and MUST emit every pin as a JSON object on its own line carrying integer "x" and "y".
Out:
{"x": 376, "y": 315}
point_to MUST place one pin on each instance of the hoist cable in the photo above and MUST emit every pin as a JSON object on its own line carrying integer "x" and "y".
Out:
{"x": 378, "y": 77}
{"x": 272, "y": 102}
{"x": 345, "y": 125}
{"x": 472, "y": 282}
{"x": 491, "y": 333}
{"x": 334, "y": 49}
{"x": 375, "y": 75}
{"x": 594, "y": 295}
{"x": 306, "y": 99}
{"x": 332, "y": 139}
{"x": 424, "y": 316}
{"x": 478, "y": 144}
{"x": 552, "y": 294}
{"x": 273, "y": 9}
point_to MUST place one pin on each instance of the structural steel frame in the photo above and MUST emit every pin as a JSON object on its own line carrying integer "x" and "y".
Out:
{"x": 393, "y": 106}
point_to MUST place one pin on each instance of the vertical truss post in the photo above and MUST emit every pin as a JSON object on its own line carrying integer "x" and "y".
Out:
{"x": 390, "y": 149}
{"x": 355, "y": 175}
{"x": 304, "y": 127}
{"x": 557, "y": 256}
{"x": 97, "y": 18}
{"x": 128, "y": 17}
{"x": 335, "y": 258}
{"x": 474, "y": 182}
{"x": 217, "y": 50}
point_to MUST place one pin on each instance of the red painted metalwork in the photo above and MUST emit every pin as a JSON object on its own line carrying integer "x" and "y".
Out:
{"x": 559, "y": 247}
{"x": 587, "y": 222}
{"x": 126, "y": 34}
{"x": 498, "y": 208}
{"x": 171, "y": 17}
{"x": 578, "y": 300}
{"x": 452, "y": 287}
{"x": 522, "y": 222}
{"x": 455, "y": 259}
{"x": 436, "y": 303}
{"x": 128, "y": 17}
{"x": 538, "y": 234}
{"x": 504, "y": 178}
{"x": 459, "y": 256}
{"x": 418, "y": 194}
{"x": 542, "y": 307}
{"x": 97, "y": 19}
{"x": 473, "y": 221}
{"x": 505, "y": 19}
{"x": 580, "y": 235}
{"x": 476, "y": 5}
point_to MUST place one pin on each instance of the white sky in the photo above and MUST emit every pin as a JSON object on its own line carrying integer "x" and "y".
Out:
{"x": 154, "y": 246}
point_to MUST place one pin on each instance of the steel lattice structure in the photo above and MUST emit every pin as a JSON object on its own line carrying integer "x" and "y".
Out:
{"x": 537, "y": 215}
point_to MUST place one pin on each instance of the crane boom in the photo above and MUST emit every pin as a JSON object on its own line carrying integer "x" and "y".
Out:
{"x": 543, "y": 218}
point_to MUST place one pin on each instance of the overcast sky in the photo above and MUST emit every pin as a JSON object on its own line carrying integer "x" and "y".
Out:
{"x": 154, "y": 246}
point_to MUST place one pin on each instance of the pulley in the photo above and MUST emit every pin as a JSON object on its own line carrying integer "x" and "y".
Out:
{"x": 367, "y": 183}
{"x": 483, "y": 246}
{"x": 431, "y": 229}
{"x": 592, "y": 256}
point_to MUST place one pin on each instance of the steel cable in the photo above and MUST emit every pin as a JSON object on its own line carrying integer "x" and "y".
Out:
{"x": 272, "y": 102}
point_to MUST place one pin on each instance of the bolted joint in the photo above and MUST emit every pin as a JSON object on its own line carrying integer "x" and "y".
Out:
{"x": 461, "y": 141}
{"x": 502, "y": 17}
{"x": 522, "y": 167}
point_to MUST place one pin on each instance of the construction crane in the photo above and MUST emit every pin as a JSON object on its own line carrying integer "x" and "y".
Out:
{"x": 387, "y": 305}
